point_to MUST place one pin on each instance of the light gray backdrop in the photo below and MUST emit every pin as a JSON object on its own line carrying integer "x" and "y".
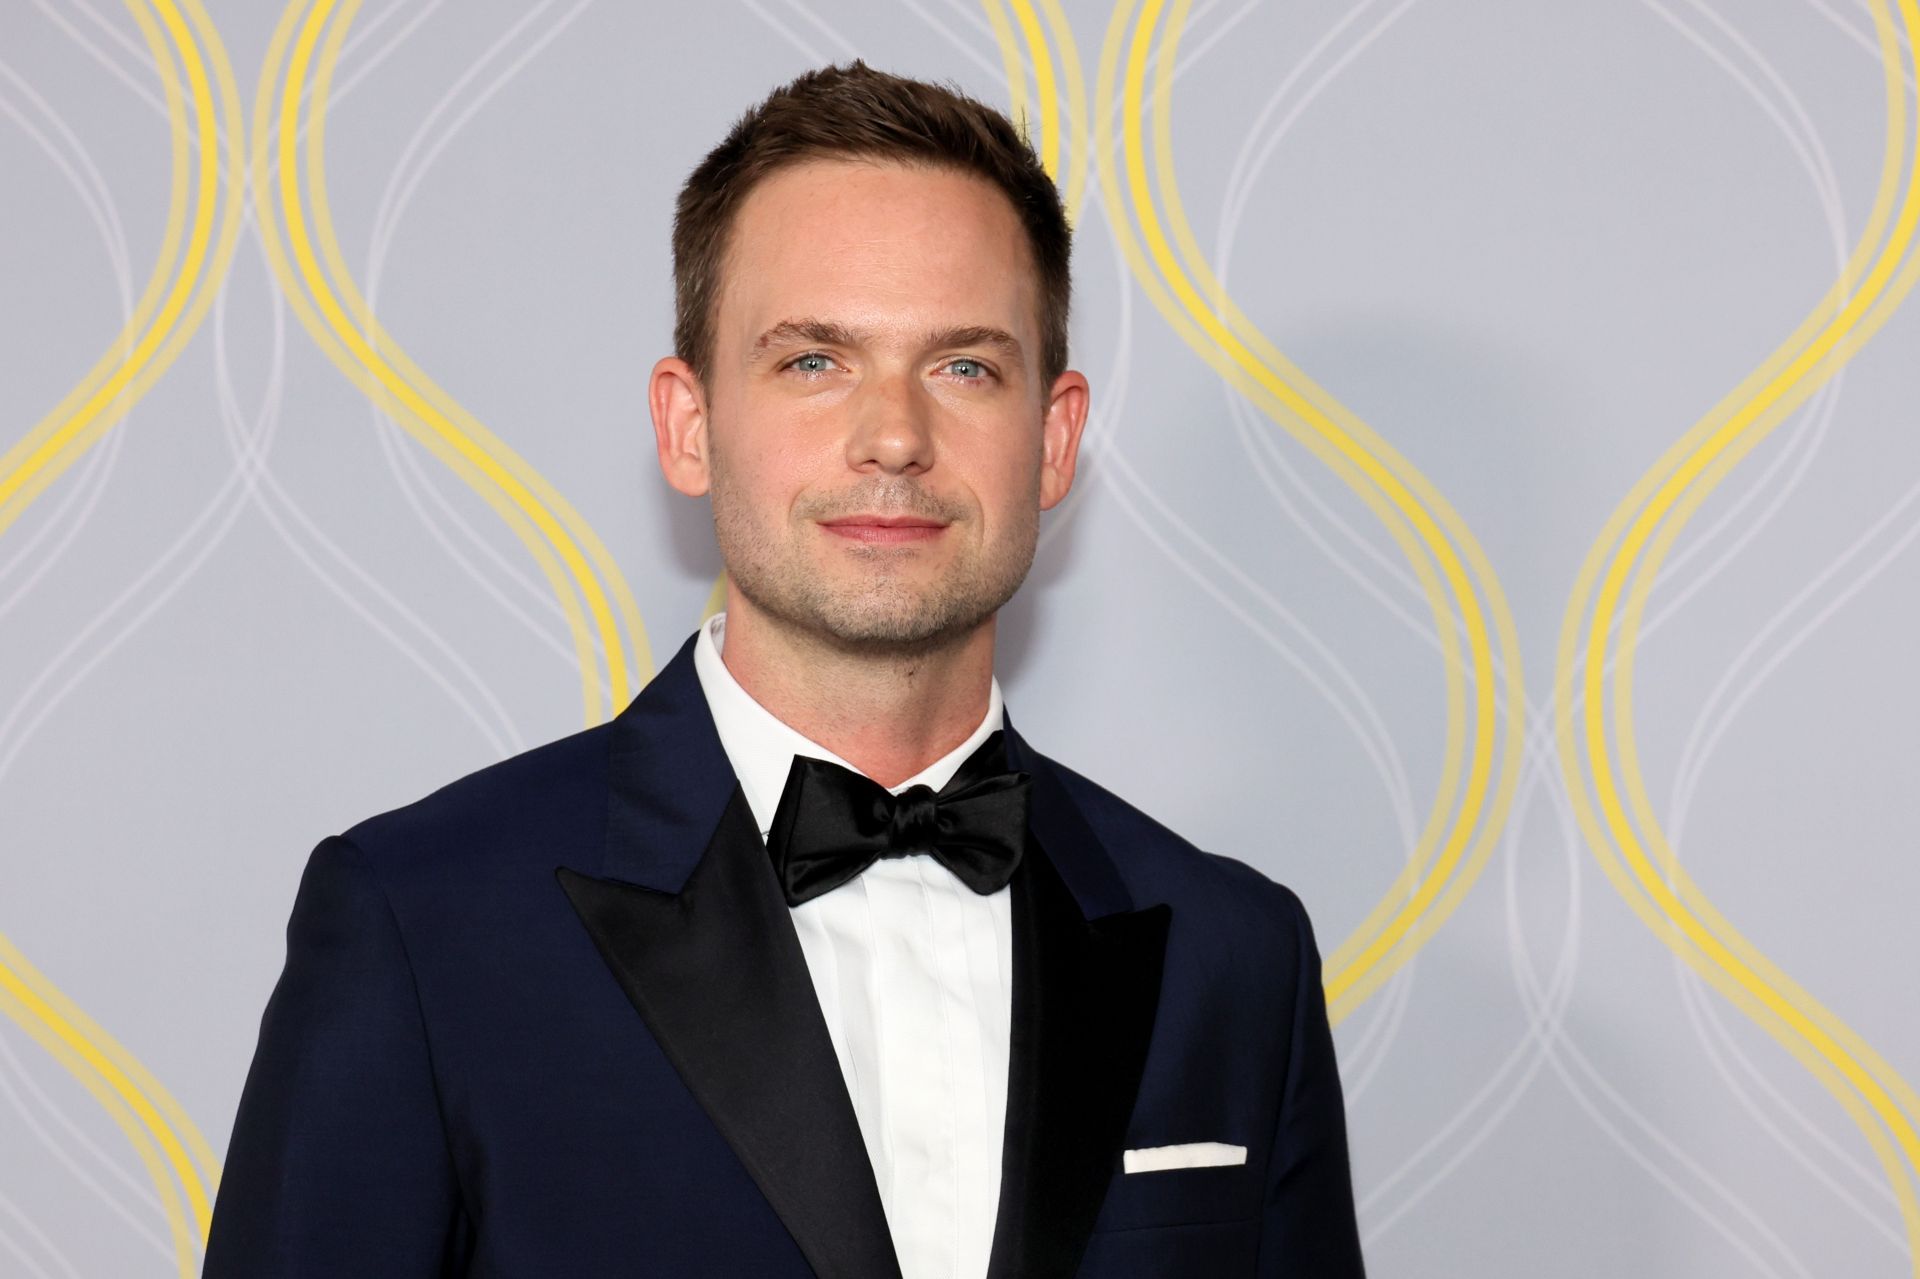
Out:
{"x": 1520, "y": 249}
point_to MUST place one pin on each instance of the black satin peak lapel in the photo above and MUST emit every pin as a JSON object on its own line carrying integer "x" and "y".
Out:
{"x": 766, "y": 1071}
{"x": 1084, "y": 998}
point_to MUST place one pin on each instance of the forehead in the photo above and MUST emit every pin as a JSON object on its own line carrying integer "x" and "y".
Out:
{"x": 877, "y": 245}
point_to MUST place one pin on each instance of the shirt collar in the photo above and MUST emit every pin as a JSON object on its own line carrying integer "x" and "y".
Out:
{"x": 761, "y": 746}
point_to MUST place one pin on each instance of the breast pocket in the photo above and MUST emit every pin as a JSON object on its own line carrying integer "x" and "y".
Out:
{"x": 1181, "y": 1184}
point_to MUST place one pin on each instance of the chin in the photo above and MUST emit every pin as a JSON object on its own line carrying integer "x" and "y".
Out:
{"x": 879, "y": 628}
{"x": 906, "y": 609}
{"x": 895, "y": 620}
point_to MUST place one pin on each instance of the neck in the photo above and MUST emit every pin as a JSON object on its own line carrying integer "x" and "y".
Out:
{"x": 888, "y": 713}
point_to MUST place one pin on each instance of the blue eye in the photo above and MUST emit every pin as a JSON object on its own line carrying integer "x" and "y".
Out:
{"x": 812, "y": 362}
{"x": 967, "y": 369}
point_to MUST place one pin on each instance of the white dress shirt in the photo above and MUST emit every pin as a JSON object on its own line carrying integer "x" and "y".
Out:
{"x": 914, "y": 975}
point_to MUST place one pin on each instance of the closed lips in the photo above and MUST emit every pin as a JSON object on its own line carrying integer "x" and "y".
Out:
{"x": 882, "y": 528}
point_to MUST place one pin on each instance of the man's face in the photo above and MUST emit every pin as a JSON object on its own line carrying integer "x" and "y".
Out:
{"x": 872, "y": 425}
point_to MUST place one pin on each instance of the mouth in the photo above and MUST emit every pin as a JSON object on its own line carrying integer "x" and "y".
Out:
{"x": 884, "y": 530}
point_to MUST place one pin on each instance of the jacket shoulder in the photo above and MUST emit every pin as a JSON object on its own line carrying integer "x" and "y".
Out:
{"x": 1159, "y": 864}
{"x": 532, "y": 800}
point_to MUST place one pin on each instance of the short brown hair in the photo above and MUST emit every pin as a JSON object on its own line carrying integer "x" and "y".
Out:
{"x": 857, "y": 112}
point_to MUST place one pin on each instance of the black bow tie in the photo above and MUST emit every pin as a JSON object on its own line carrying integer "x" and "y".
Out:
{"x": 832, "y": 823}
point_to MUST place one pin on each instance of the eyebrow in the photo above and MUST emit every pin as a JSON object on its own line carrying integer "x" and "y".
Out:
{"x": 810, "y": 331}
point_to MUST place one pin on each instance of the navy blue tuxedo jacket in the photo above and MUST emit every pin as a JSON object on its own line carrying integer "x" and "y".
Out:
{"x": 554, "y": 1019}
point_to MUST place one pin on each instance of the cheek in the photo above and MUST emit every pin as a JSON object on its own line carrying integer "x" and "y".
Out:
{"x": 1015, "y": 468}
{"x": 769, "y": 464}
{"x": 1008, "y": 495}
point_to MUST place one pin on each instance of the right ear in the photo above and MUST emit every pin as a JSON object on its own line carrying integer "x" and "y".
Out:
{"x": 679, "y": 407}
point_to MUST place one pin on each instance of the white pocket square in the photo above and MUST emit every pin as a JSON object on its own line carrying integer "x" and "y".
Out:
{"x": 1196, "y": 1154}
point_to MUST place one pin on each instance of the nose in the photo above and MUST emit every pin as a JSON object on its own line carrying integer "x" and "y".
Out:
{"x": 892, "y": 425}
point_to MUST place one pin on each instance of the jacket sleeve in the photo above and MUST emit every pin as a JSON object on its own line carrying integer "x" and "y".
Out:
{"x": 1308, "y": 1228}
{"x": 338, "y": 1164}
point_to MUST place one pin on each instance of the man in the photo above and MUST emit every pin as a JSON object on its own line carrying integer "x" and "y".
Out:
{"x": 807, "y": 963}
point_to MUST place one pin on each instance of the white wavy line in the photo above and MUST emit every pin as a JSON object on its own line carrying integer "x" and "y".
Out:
{"x": 1651, "y": 1132}
{"x": 1804, "y": 442}
{"x": 1248, "y": 167}
{"x": 1239, "y": 186}
{"x": 250, "y": 467}
{"x": 1725, "y": 1054}
{"x": 1704, "y": 1014}
{"x": 792, "y": 37}
{"x": 254, "y": 470}
{"x": 1375, "y": 1062}
{"x": 1744, "y": 540}
{"x": 39, "y": 1236}
{"x": 140, "y": 58}
{"x": 1713, "y": 721}
{"x": 1193, "y": 50}
{"x": 1373, "y": 736}
{"x": 1698, "y": 750}
{"x": 1545, "y": 1011}
{"x": 1711, "y": 728}
{"x": 1382, "y": 758}
{"x": 1364, "y": 1052}
{"x": 826, "y": 29}
{"x": 503, "y": 742}
{"x": 1100, "y": 422}
{"x": 7, "y": 1243}
{"x": 1254, "y": 439}
{"x": 142, "y": 63}
{"x": 1381, "y": 1017}
{"x": 970, "y": 13}
{"x": 1864, "y": 39}
{"x": 1547, "y": 1036}
{"x": 94, "y": 473}
{"x": 1240, "y": 412}
{"x": 88, "y": 183}
{"x": 1546, "y": 1042}
{"x": 1804, "y": 140}
{"x": 130, "y": 1186}
{"x": 105, "y": 215}
{"x": 404, "y": 462}
{"x": 414, "y": 162}
{"x": 1371, "y": 1051}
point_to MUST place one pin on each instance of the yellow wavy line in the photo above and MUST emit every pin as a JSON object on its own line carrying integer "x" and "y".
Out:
{"x": 31, "y": 463}
{"x": 1406, "y": 883}
{"x": 1043, "y": 84}
{"x": 363, "y": 377}
{"x": 1075, "y": 188}
{"x": 132, "y": 1097}
{"x": 1652, "y": 880}
{"x": 77, "y": 1045}
{"x": 1418, "y": 902}
{"x": 131, "y": 365}
{"x": 1358, "y": 967}
{"x": 596, "y": 550}
{"x": 1010, "y": 64}
{"x": 344, "y": 327}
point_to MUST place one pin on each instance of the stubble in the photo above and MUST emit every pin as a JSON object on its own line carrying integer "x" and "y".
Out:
{"x": 889, "y": 604}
